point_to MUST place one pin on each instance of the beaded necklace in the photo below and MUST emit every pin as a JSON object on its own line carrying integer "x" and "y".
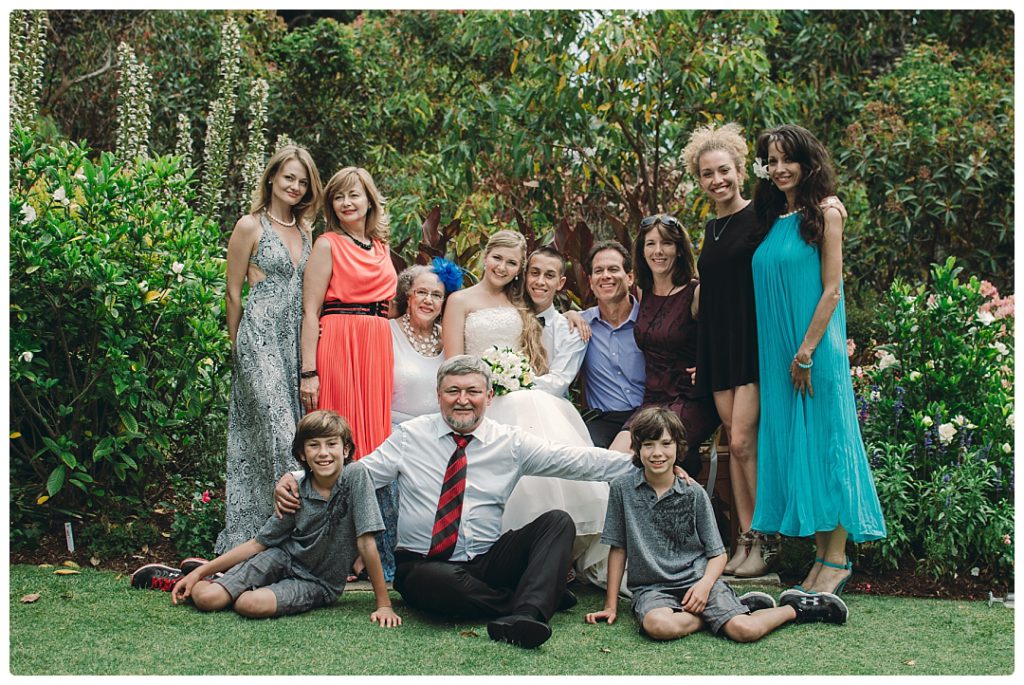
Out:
{"x": 425, "y": 346}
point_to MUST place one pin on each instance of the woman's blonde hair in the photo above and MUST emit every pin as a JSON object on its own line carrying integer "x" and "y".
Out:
{"x": 530, "y": 340}
{"x": 707, "y": 138}
{"x": 305, "y": 209}
{"x": 377, "y": 220}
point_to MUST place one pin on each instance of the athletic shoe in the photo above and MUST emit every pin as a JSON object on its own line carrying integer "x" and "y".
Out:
{"x": 755, "y": 601}
{"x": 822, "y": 607}
{"x": 521, "y": 631}
{"x": 155, "y": 577}
{"x": 191, "y": 564}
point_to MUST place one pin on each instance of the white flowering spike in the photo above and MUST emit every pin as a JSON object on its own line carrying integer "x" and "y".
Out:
{"x": 252, "y": 169}
{"x": 221, "y": 118}
{"x": 135, "y": 87}
{"x": 946, "y": 433}
{"x": 28, "y": 58}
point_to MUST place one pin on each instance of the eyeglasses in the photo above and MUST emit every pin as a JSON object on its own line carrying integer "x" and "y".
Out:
{"x": 665, "y": 219}
{"x": 432, "y": 294}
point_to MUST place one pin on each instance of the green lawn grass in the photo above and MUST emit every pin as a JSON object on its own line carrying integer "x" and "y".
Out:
{"x": 94, "y": 623}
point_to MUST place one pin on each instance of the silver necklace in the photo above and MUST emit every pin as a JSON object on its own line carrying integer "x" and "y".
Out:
{"x": 714, "y": 228}
{"x": 283, "y": 223}
{"x": 426, "y": 346}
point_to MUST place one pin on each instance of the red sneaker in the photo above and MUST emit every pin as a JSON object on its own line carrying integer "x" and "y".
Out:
{"x": 155, "y": 577}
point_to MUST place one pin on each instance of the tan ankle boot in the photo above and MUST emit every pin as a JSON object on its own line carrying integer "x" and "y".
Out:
{"x": 743, "y": 542}
{"x": 762, "y": 556}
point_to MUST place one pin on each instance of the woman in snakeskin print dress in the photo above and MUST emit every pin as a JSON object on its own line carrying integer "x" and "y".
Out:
{"x": 268, "y": 249}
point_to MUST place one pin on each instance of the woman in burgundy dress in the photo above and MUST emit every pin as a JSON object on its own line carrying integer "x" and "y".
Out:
{"x": 666, "y": 332}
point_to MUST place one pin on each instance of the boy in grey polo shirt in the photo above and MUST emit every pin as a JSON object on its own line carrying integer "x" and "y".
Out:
{"x": 299, "y": 562}
{"x": 667, "y": 530}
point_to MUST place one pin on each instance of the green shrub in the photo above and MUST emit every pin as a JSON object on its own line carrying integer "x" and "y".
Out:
{"x": 112, "y": 540}
{"x": 930, "y": 144}
{"x": 937, "y": 415}
{"x": 198, "y": 521}
{"x": 117, "y": 347}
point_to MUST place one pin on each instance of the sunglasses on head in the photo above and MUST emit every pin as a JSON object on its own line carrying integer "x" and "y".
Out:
{"x": 665, "y": 219}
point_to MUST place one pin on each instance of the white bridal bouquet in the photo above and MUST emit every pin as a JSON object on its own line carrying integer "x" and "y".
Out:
{"x": 509, "y": 370}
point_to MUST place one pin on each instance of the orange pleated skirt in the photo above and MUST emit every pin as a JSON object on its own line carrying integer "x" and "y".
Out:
{"x": 355, "y": 362}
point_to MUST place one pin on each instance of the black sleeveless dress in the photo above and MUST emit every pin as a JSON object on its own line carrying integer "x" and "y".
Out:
{"x": 727, "y": 328}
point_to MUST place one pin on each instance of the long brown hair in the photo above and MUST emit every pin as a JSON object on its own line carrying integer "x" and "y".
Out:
{"x": 685, "y": 267}
{"x": 530, "y": 339}
{"x": 305, "y": 209}
{"x": 817, "y": 181}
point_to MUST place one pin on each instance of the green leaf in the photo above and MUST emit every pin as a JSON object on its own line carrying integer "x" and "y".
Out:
{"x": 56, "y": 480}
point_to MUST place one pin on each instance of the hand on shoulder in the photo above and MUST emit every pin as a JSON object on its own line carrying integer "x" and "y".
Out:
{"x": 833, "y": 202}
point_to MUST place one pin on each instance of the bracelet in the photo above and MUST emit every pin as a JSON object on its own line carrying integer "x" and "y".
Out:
{"x": 808, "y": 365}
{"x": 308, "y": 374}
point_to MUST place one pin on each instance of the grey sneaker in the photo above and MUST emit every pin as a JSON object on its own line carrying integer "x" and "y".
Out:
{"x": 755, "y": 601}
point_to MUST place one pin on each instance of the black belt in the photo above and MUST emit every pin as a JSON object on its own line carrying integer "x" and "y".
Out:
{"x": 366, "y": 309}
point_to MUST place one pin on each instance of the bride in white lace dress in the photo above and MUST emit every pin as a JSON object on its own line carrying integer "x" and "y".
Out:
{"x": 492, "y": 313}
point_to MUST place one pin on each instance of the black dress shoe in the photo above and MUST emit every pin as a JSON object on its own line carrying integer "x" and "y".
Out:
{"x": 821, "y": 607}
{"x": 521, "y": 631}
{"x": 567, "y": 601}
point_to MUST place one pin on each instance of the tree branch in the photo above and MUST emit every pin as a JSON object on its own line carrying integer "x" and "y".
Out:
{"x": 66, "y": 82}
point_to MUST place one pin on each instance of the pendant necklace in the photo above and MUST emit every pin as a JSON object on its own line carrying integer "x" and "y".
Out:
{"x": 716, "y": 234}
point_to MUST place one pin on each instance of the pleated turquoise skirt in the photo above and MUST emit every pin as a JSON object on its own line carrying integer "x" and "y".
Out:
{"x": 812, "y": 472}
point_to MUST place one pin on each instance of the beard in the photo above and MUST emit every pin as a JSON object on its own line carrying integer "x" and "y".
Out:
{"x": 462, "y": 425}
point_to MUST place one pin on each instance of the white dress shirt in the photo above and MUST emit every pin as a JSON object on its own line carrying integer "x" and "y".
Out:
{"x": 565, "y": 351}
{"x": 417, "y": 454}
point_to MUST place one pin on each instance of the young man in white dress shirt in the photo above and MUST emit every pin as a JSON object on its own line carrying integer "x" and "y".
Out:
{"x": 517, "y": 578}
{"x": 545, "y": 276}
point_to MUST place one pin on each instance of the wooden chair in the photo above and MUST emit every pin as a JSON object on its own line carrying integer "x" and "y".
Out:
{"x": 716, "y": 480}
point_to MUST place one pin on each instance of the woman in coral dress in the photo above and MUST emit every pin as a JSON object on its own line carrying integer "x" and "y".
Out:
{"x": 347, "y": 357}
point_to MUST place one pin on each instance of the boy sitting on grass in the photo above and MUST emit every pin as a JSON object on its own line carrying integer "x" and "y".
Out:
{"x": 299, "y": 562}
{"x": 667, "y": 530}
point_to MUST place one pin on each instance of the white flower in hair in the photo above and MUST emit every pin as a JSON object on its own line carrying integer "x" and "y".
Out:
{"x": 760, "y": 168}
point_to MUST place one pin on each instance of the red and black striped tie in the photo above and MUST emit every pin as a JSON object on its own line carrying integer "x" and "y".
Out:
{"x": 449, "y": 505}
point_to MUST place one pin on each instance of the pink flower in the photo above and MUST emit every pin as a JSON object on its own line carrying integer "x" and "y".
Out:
{"x": 851, "y": 347}
{"x": 988, "y": 290}
{"x": 206, "y": 497}
{"x": 1006, "y": 539}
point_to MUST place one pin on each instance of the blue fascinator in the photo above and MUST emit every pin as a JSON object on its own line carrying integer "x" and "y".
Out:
{"x": 449, "y": 272}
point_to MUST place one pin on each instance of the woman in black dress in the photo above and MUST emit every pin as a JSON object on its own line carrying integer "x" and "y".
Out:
{"x": 666, "y": 332}
{"x": 727, "y": 331}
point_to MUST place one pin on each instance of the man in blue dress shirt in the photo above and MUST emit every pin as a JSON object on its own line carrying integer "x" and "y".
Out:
{"x": 613, "y": 367}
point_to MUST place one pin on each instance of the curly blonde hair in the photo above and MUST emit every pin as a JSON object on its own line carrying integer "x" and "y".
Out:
{"x": 707, "y": 138}
{"x": 530, "y": 339}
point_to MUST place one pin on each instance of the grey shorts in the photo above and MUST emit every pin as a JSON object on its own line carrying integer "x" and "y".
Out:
{"x": 722, "y": 603}
{"x": 272, "y": 569}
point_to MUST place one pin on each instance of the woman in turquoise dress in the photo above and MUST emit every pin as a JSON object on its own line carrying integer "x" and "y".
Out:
{"x": 813, "y": 476}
